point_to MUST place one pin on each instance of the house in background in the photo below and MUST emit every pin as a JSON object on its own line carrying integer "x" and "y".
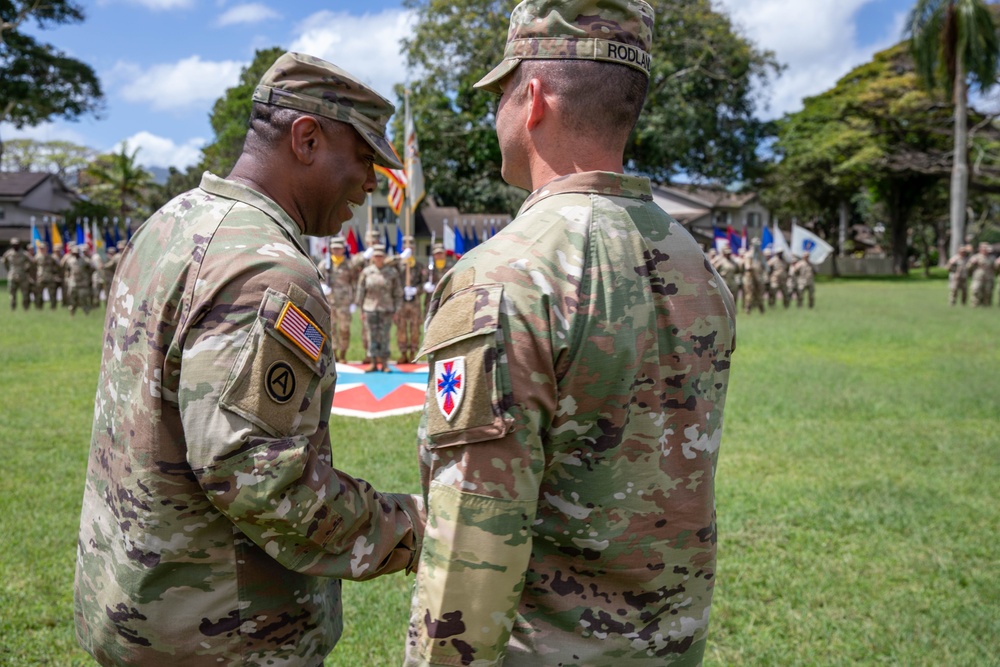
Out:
{"x": 699, "y": 209}
{"x": 25, "y": 195}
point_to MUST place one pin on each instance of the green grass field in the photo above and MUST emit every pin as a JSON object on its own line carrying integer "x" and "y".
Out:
{"x": 859, "y": 486}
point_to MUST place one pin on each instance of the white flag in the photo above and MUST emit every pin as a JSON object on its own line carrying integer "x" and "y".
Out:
{"x": 803, "y": 240}
{"x": 414, "y": 170}
{"x": 449, "y": 238}
{"x": 781, "y": 245}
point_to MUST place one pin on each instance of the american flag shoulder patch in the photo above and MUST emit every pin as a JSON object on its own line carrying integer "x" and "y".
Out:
{"x": 302, "y": 331}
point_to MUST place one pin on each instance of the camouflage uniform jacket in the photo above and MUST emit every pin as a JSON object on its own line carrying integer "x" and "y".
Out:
{"x": 803, "y": 273}
{"x": 379, "y": 290}
{"x": 569, "y": 438}
{"x": 777, "y": 271}
{"x": 47, "y": 268}
{"x": 18, "y": 263}
{"x": 980, "y": 269}
{"x": 214, "y": 526}
{"x": 340, "y": 279}
{"x": 414, "y": 278}
{"x": 78, "y": 271}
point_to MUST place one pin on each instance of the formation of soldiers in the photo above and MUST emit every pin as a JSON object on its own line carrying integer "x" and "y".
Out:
{"x": 386, "y": 291}
{"x": 976, "y": 273}
{"x": 754, "y": 276}
{"x": 78, "y": 279}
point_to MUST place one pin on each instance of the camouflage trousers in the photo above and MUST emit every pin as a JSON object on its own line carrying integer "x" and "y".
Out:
{"x": 341, "y": 329}
{"x": 80, "y": 297}
{"x": 982, "y": 293}
{"x": 379, "y": 332}
{"x": 46, "y": 286}
{"x": 408, "y": 320}
{"x": 957, "y": 289}
{"x": 753, "y": 297}
{"x": 772, "y": 294}
{"x": 24, "y": 287}
{"x": 802, "y": 290}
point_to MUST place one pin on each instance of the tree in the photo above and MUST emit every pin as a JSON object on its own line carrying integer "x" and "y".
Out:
{"x": 698, "y": 119}
{"x": 231, "y": 115}
{"x": 116, "y": 181}
{"x": 954, "y": 42}
{"x": 62, "y": 158}
{"x": 38, "y": 82}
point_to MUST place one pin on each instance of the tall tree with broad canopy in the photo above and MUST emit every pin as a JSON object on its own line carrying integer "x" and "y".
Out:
{"x": 37, "y": 81}
{"x": 699, "y": 118}
{"x": 954, "y": 43}
{"x": 117, "y": 182}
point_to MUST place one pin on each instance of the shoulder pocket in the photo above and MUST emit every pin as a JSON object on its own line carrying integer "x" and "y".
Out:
{"x": 467, "y": 377}
{"x": 275, "y": 377}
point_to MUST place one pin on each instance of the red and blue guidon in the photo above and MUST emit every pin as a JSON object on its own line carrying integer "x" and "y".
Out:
{"x": 449, "y": 382}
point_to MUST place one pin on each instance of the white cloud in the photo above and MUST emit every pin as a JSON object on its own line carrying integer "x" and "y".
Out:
{"x": 818, "y": 43}
{"x": 251, "y": 13}
{"x": 155, "y": 151}
{"x": 367, "y": 46}
{"x": 189, "y": 83}
{"x": 155, "y": 5}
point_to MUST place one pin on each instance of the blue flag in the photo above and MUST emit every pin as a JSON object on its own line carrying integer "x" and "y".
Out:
{"x": 459, "y": 243}
{"x": 48, "y": 238}
{"x": 385, "y": 237}
{"x": 399, "y": 240}
{"x": 766, "y": 240}
{"x": 721, "y": 239}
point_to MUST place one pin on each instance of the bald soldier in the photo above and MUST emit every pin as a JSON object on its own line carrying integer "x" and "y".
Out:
{"x": 579, "y": 362}
{"x": 215, "y": 528}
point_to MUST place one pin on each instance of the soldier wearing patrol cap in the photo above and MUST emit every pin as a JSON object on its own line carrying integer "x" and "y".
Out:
{"x": 412, "y": 276}
{"x": 958, "y": 276}
{"x": 18, "y": 264}
{"x": 981, "y": 276}
{"x": 379, "y": 295}
{"x": 214, "y": 526}
{"x": 440, "y": 264}
{"x": 339, "y": 277}
{"x": 579, "y": 372}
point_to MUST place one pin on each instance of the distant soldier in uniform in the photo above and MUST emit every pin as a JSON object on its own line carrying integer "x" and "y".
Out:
{"x": 755, "y": 279}
{"x": 777, "y": 280}
{"x": 958, "y": 276}
{"x": 359, "y": 262}
{"x": 214, "y": 526}
{"x": 339, "y": 276}
{"x": 378, "y": 296}
{"x": 78, "y": 272}
{"x": 803, "y": 275}
{"x": 409, "y": 317}
{"x": 579, "y": 365}
{"x": 96, "y": 278}
{"x": 108, "y": 268}
{"x": 729, "y": 270}
{"x": 440, "y": 264}
{"x": 18, "y": 264}
{"x": 47, "y": 270}
{"x": 981, "y": 275}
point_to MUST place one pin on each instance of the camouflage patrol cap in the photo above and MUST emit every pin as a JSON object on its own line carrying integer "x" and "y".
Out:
{"x": 437, "y": 248}
{"x": 378, "y": 250}
{"x": 337, "y": 243}
{"x": 616, "y": 31}
{"x": 305, "y": 83}
{"x": 15, "y": 241}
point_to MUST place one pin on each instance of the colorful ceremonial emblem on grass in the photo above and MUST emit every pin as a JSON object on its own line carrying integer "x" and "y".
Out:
{"x": 375, "y": 395}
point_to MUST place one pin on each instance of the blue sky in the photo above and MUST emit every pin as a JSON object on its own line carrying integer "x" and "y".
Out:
{"x": 163, "y": 63}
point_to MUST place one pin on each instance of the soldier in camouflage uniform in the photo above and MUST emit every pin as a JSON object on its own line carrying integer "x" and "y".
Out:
{"x": 46, "y": 271}
{"x": 580, "y": 363}
{"x": 755, "y": 279}
{"x": 379, "y": 295}
{"x": 339, "y": 277}
{"x": 981, "y": 276}
{"x": 77, "y": 271}
{"x": 214, "y": 527}
{"x": 439, "y": 265}
{"x": 18, "y": 263}
{"x": 97, "y": 279}
{"x": 958, "y": 276}
{"x": 359, "y": 263}
{"x": 108, "y": 268}
{"x": 803, "y": 276}
{"x": 409, "y": 317}
{"x": 778, "y": 280}
{"x": 729, "y": 270}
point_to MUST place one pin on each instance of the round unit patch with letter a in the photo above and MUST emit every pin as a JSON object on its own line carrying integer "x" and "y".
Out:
{"x": 449, "y": 380}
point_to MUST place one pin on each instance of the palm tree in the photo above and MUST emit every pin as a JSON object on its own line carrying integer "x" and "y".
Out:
{"x": 953, "y": 43}
{"x": 115, "y": 180}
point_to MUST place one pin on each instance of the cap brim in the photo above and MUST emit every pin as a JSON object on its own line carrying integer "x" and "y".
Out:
{"x": 491, "y": 82}
{"x": 384, "y": 155}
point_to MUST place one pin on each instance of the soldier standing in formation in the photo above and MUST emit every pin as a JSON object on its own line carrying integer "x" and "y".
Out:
{"x": 803, "y": 276}
{"x": 410, "y": 315}
{"x": 77, "y": 273}
{"x": 580, "y": 363}
{"x": 339, "y": 275}
{"x": 777, "y": 280}
{"x": 359, "y": 263}
{"x": 108, "y": 268}
{"x": 754, "y": 279}
{"x": 958, "y": 276}
{"x": 981, "y": 274}
{"x": 729, "y": 270}
{"x": 47, "y": 271}
{"x": 440, "y": 265}
{"x": 19, "y": 267}
{"x": 378, "y": 296}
